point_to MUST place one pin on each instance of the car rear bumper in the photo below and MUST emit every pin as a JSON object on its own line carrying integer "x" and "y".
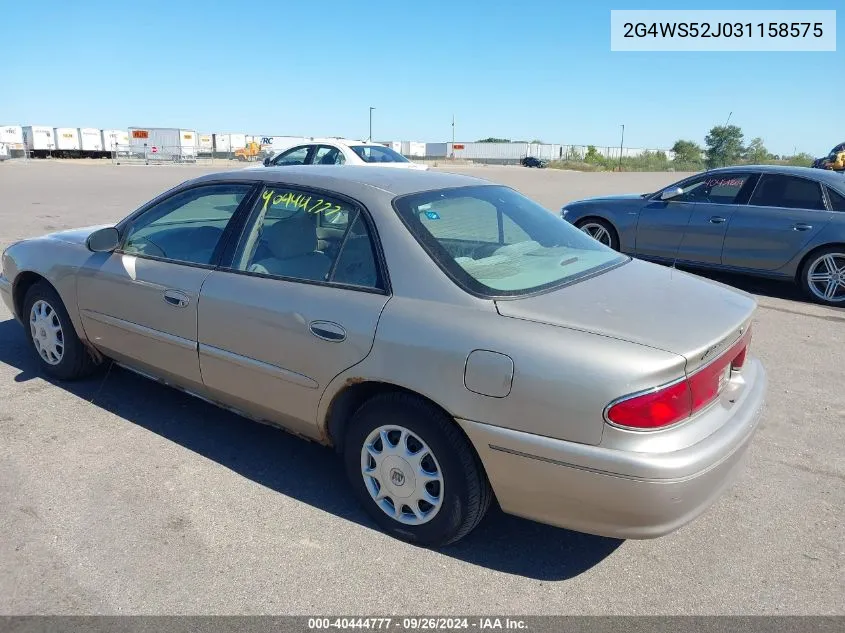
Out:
{"x": 620, "y": 494}
{"x": 6, "y": 293}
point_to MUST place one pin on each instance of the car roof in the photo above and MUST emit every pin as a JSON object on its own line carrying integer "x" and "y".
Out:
{"x": 346, "y": 179}
{"x": 821, "y": 175}
{"x": 343, "y": 141}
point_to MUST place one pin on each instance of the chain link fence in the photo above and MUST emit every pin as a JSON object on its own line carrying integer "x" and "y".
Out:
{"x": 183, "y": 155}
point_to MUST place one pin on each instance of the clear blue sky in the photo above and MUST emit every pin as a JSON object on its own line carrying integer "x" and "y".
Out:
{"x": 522, "y": 70}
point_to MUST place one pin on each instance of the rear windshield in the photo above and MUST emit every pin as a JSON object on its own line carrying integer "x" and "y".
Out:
{"x": 378, "y": 154}
{"x": 495, "y": 242}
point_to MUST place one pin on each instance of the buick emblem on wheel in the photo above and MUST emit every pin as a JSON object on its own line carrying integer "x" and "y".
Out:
{"x": 397, "y": 477}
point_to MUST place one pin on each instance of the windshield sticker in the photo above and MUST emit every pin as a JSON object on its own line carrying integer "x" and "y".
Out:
{"x": 724, "y": 182}
{"x": 432, "y": 215}
{"x": 293, "y": 201}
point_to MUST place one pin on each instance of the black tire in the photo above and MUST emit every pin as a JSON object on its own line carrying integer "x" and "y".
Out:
{"x": 76, "y": 362}
{"x": 607, "y": 226}
{"x": 466, "y": 491}
{"x": 807, "y": 267}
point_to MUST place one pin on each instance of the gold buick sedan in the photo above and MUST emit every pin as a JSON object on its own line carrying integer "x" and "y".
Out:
{"x": 454, "y": 341}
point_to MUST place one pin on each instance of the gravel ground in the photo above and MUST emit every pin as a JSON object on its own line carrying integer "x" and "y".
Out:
{"x": 121, "y": 496}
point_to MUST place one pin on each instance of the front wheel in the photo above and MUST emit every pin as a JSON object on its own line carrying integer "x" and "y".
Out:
{"x": 413, "y": 470}
{"x": 600, "y": 230}
{"x": 60, "y": 352}
{"x": 822, "y": 277}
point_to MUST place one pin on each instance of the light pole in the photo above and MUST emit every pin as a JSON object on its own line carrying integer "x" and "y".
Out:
{"x": 453, "y": 136}
{"x": 371, "y": 123}
{"x": 622, "y": 140}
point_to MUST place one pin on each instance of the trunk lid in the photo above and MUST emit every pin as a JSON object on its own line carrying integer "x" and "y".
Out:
{"x": 646, "y": 304}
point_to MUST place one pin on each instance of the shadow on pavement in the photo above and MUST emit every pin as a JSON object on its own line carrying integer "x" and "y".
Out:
{"x": 761, "y": 286}
{"x": 307, "y": 472}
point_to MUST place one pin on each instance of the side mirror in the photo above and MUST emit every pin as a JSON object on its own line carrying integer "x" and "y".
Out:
{"x": 103, "y": 240}
{"x": 668, "y": 194}
{"x": 267, "y": 161}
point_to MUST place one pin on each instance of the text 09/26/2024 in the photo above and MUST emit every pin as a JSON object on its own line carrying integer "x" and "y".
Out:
{"x": 723, "y": 30}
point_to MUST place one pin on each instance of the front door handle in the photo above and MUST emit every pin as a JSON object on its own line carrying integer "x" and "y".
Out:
{"x": 176, "y": 299}
{"x": 801, "y": 227}
{"x": 717, "y": 219}
{"x": 328, "y": 331}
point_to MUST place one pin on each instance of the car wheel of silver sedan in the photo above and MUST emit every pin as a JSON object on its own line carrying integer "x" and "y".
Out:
{"x": 823, "y": 276}
{"x": 414, "y": 471}
{"x": 50, "y": 332}
{"x": 601, "y": 231}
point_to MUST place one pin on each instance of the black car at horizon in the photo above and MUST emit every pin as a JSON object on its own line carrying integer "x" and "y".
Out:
{"x": 533, "y": 161}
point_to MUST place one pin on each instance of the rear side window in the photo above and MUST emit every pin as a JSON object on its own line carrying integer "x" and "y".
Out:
{"x": 837, "y": 200}
{"x": 788, "y": 192}
{"x": 296, "y": 234}
{"x": 378, "y": 154}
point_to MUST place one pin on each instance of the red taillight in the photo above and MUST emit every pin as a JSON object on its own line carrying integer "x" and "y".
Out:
{"x": 678, "y": 401}
{"x": 654, "y": 409}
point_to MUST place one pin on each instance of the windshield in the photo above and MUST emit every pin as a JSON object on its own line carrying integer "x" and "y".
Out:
{"x": 378, "y": 154}
{"x": 494, "y": 241}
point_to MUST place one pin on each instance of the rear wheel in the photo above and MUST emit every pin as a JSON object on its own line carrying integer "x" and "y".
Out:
{"x": 600, "y": 230}
{"x": 49, "y": 330}
{"x": 822, "y": 276}
{"x": 414, "y": 471}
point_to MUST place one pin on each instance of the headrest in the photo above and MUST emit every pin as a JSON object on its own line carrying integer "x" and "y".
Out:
{"x": 292, "y": 236}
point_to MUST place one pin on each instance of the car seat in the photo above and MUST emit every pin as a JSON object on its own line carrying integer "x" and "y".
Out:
{"x": 293, "y": 244}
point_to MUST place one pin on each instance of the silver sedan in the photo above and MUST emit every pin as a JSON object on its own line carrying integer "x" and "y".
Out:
{"x": 455, "y": 342}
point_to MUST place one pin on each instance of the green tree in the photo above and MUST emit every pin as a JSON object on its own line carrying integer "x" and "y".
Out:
{"x": 593, "y": 157}
{"x": 686, "y": 151}
{"x": 724, "y": 145}
{"x": 493, "y": 139}
{"x": 756, "y": 153}
{"x": 800, "y": 160}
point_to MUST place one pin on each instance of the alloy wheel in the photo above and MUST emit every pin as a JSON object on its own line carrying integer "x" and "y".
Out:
{"x": 597, "y": 232}
{"x": 826, "y": 277}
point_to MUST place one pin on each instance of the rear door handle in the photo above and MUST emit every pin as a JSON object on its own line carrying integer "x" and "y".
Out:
{"x": 176, "y": 299}
{"x": 328, "y": 331}
{"x": 801, "y": 227}
{"x": 717, "y": 219}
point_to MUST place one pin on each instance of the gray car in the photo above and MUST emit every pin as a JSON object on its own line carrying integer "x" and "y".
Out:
{"x": 452, "y": 339}
{"x": 780, "y": 222}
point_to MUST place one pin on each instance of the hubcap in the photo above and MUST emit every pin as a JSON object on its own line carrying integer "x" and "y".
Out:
{"x": 826, "y": 277}
{"x": 402, "y": 475}
{"x": 47, "y": 335}
{"x": 597, "y": 232}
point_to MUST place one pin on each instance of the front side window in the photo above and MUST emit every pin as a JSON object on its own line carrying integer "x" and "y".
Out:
{"x": 378, "y": 154}
{"x": 788, "y": 192}
{"x": 308, "y": 236}
{"x": 713, "y": 189}
{"x": 188, "y": 226}
{"x": 494, "y": 241}
{"x": 295, "y": 156}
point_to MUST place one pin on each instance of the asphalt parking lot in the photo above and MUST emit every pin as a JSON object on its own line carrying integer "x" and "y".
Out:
{"x": 120, "y": 496}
